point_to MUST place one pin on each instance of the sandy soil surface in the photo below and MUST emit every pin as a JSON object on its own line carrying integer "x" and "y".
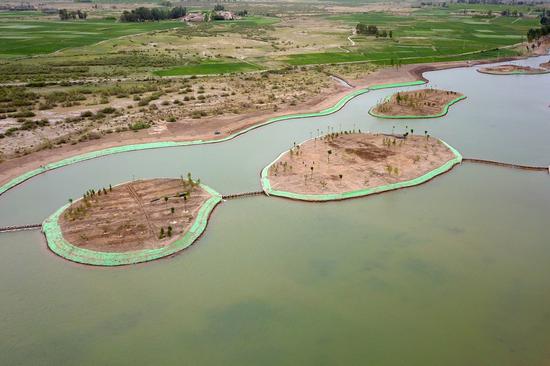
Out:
{"x": 219, "y": 126}
{"x": 426, "y": 102}
{"x": 511, "y": 69}
{"x": 131, "y": 216}
{"x": 545, "y": 65}
{"x": 350, "y": 162}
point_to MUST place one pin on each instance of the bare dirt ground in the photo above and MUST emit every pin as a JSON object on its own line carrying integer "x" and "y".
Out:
{"x": 511, "y": 69}
{"x": 545, "y": 65}
{"x": 426, "y": 102}
{"x": 130, "y": 217}
{"x": 350, "y": 162}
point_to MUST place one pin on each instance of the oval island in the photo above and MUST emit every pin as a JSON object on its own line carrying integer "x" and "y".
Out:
{"x": 513, "y": 70}
{"x": 423, "y": 103}
{"x": 133, "y": 222}
{"x": 347, "y": 165}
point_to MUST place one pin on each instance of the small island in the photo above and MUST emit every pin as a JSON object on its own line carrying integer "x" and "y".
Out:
{"x": 424, "y": 103}
{"x": 132, "y": 222}
{"x": 348, "y": 164}
{"x": 513, "y": 70}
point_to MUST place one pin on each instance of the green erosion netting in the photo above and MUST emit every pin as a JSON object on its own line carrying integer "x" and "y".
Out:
{"x": 266, "y": 185}
{"x": 155, "y": 145}
{"x": 58, "y": 244}
{"x": 441, "y": 114}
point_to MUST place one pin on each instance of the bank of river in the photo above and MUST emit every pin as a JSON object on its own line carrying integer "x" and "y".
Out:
{"x": 452, "y": 272}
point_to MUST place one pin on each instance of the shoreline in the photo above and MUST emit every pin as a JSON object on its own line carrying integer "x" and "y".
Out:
{"x": 17, "y": 170}
{"x": 162, "y": 144}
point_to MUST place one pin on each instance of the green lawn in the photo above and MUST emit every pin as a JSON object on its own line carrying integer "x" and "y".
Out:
{"x": 208, "y": 68}
{"x": 30, "y": 37}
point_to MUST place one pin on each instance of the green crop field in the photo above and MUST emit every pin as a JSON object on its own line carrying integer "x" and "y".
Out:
{"x": 208, "y": 68}
{"x": 29, "y": 37}
{"x": 425, "y": 36}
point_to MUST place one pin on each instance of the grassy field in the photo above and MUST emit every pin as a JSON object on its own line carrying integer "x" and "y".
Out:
{"x": 425, "y": 35}
{"x": 208, "y": 68}
{"x": 30, "y": 37}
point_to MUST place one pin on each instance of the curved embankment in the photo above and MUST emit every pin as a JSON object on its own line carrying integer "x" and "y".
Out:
{"x": 156, "y": 145}
{"x": 443, "y": 112}
{"x": 60, "y": 246}
{"x": 266, "y": 185}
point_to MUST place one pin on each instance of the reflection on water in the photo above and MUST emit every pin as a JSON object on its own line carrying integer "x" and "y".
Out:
{"x": 452, "y": 272}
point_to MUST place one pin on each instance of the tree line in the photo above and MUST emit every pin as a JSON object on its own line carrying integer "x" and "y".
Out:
{"x": 536, "y": 33}
{"x": 64, "y": 14}
{"x": 372, "y": 30}
{"x": 143, "y": 14}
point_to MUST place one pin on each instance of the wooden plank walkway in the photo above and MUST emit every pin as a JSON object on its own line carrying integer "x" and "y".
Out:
{"x": 6, "y": 229}
{"x": 507, "y": 165}
{"x": 244, "y": 194}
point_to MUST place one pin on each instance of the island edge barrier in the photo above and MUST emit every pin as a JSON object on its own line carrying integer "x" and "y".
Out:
{"x": 57, "y": 243}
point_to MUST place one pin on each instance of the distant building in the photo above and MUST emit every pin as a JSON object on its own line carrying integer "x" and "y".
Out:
{"x": 193, "y": 17}
{"x": 224, "y": 15}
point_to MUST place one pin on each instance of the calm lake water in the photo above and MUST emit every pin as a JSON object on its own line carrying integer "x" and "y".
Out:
{"x": 453, "y": 272}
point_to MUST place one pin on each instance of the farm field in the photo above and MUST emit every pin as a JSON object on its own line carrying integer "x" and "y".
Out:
{"x": 110, "y": 48}
{"x": 208, "y": 68}
{"x": 31, "y": 37}
{"x": 424, "y": 36}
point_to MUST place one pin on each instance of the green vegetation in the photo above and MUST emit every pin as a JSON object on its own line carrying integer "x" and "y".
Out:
{"x": 536, "y": 33}
{"x": 422, "y": 37}
{"x": 139, "y": 126}
{"x": 209, "y": 68}
{"x": 325, "y": 58}
{"x": 30, "y": 37}
{"x": 143, "y": 14}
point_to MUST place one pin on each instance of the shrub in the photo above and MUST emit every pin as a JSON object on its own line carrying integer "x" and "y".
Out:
{"x": 108, "y": 110}
{"x": 140, "y": 125}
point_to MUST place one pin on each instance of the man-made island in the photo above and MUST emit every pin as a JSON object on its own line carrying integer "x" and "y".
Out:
{"x": 424, "y": 103}
{"x": 132, "y": 222}
{"x": 513, "y": 70}
{"x": 347, "y": 165}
